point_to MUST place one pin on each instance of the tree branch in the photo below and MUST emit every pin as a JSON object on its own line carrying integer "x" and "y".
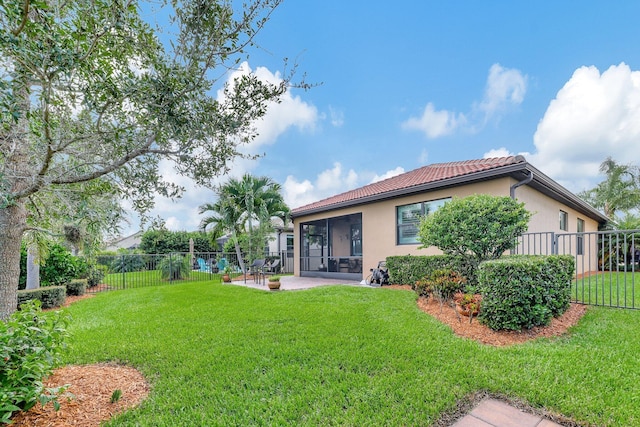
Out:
{"x": 25, "y": 17}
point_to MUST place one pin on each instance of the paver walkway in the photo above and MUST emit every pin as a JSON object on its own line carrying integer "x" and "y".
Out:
{"x": 488, "y": 413}
{"x": 494, "y": 413}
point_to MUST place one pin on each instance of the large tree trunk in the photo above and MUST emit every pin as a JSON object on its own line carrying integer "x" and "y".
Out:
{"x": 12, "y": 224}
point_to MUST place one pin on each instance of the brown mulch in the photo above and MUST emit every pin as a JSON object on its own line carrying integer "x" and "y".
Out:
{"x": 87, "y": 401}
{"x": 481, "y": 333}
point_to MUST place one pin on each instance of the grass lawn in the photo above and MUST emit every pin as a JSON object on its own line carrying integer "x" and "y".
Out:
{"x": 228, "y": 355}
{"x": 616, "y": 289}
{"x": 137, "y": 279}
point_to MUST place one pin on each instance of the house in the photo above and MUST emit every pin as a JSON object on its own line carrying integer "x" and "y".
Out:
{"x": 345, "y": 235}
{"x": 279, "y": 243}
{"x": 129, "y": 242}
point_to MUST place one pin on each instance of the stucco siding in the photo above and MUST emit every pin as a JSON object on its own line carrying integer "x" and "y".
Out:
{"x": 379, "y": 228}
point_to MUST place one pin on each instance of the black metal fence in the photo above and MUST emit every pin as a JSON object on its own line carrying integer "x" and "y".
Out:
{"x": 126, "y": 271}
{"x": 607, "y": 263}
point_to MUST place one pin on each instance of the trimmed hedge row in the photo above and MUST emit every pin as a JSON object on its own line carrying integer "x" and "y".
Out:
{"x": 76, "y": 287}
{"x": 524, "y": 291}
{"x": 408, "y": 269}
{"x": 49, "y": 296}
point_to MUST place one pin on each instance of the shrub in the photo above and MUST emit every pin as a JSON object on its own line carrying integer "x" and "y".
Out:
{"x": 59, "y": 267}
{"x": 410, "y": 269}
{"x": 77, "y": 287}
{"x": 525, "y": 291}
{"x": 478, "y": 227}
{"x": 96, "y": 275}
{"x": 49, "y": 297}
{"x": 126, "y": 263}
{"x": 31, "y": 343}
{"x": 165, "y": 242}
{"x": 175, "y": 267}
{"x": 445, "y": 283}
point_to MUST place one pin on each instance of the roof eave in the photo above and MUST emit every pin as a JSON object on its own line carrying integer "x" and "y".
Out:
{"x": 444, "y": 183}
{"x": 551, "y": 188}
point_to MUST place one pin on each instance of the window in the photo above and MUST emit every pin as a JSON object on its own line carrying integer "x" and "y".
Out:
{"x": 356, "y": 239}
{"x": 564, "y": 221}
{"x": 580, "y": 238}
{"x": 289, "y": 245}
{"x": 408, "y": 218}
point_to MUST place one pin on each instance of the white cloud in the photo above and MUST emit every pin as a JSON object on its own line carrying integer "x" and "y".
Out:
{"x": 497, "y": 152}
{"x": 593, "y": 116}
{"x": 173, "y": 223}
{"x": 332, "y": 180}
{"x": 505, "y": 88}
{"x": 397, "y": 171}
{"x": 424, "y": 157}
{"x": 328, "y": 183}
{"x": 291, "y": 111}
{"x": 435, "y": 124}
{"x": 336, "y": 116}
{"x": 298, "y": 193}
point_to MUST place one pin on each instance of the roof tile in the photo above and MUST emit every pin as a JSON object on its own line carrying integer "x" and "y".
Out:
{"x": 424, "y": 175}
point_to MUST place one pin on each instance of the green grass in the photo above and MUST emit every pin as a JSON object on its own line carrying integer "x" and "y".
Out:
{"x": 617, "y": 289}
{"x": 228, "y": 355}
{"x": 137, "y": 279}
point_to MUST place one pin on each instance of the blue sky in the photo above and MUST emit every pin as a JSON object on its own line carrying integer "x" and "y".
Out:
{"x": 410, "y": 83}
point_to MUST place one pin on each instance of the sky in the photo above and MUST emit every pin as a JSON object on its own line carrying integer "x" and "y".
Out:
{"x": 404, "y": 84}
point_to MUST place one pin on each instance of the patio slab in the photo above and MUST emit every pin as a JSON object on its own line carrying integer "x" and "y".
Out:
{"x": 495, "y": 413}
{"x": 293, "y": 283}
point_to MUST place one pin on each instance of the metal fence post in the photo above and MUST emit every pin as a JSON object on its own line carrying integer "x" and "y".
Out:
{"x": 170, "y": 267}
{"x": 124, "y": 271}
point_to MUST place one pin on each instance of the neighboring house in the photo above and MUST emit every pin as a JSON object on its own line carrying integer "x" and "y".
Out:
{"x": 128, "y": 242}
{"x": 278, "y": 241}
{"x": 344, "y": 236}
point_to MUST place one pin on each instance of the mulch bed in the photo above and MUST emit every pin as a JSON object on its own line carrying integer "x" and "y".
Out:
{"x": 481, "y": 333}
{"x": 87, "y": 402}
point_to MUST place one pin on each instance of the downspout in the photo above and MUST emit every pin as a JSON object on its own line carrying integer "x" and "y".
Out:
{"x": 525, "y": 181}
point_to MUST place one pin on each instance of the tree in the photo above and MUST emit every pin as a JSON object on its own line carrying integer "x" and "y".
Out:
{"x": 478, "y": 227}
{"x": 241, "y": 203}
{"x": 87, "y": 91}
{"x": 165, "y": 241}
{"x": 620, "y": 191}
{"x": 75, "y": 216}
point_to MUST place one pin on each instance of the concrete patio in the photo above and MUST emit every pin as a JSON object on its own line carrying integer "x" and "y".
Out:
{"x": 293, "y": 283}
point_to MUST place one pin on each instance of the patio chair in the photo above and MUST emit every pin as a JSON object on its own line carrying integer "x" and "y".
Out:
{"x": 203, "y": 266}
{"x": 273, "y": 267}
{"x": 256, "y": 269}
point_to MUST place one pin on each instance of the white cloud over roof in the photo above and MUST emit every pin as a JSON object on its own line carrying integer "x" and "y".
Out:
{"x": 593, "y": 116}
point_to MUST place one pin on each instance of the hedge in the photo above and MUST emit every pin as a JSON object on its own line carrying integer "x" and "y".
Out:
{"x": 524, "y": 291}
{"x": 76, "y": 287}
{"x": 408, "y": 269}
{"x": 49, "y": 296}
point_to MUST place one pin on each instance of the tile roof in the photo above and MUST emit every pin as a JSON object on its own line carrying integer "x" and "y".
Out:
{"x": 417, "y": 177}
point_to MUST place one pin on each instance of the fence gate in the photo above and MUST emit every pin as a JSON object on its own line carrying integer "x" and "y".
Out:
{"x": 607, "y": 263}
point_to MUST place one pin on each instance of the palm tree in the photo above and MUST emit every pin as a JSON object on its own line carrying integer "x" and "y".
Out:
{"x": 241, "y": 202}
{"x": 619, "y": 191}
